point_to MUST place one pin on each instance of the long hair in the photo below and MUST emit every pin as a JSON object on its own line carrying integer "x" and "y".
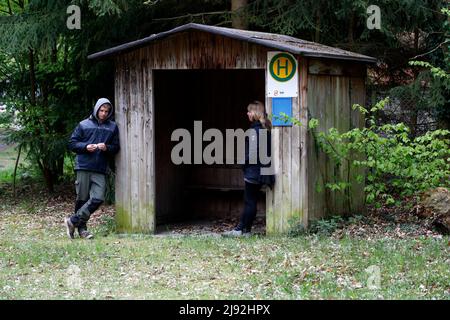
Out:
{"x": 256, "y": 108}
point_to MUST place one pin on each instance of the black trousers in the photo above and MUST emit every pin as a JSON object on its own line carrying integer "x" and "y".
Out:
{"x": 250, "y": 199}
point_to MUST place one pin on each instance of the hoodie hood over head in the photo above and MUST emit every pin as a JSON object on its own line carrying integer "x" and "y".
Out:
{"x": 97, "y": 106}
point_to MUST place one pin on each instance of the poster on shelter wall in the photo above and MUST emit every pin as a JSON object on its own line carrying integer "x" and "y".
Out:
{"x": 282, "y": 75}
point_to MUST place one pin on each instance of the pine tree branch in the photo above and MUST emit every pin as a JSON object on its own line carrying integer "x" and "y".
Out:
{"x": 9, "y": 7}
{"x": 4, "y": 11}
{"x": 426, "y": 53}
{"x": 20, "y": 3}
{"x": 192, "y": 15}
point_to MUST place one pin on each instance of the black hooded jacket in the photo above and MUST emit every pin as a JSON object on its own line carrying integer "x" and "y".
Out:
{"x": 91, "y": 131}
{"x": 252, "y": 172}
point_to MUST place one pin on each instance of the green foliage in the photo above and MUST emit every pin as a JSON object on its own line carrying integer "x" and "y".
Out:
{"x": 409, "y": 29}
{"x": 6, "y": 118}
{"x": 44, "y": 76}
{"x": 437, "y": 79}
{"x": 395, "y": 163}
{"x": 106, "y": 7}
{"x": 326, "y": 226}
{"x": 296, "y": 228}
{"x": 323, "y": 227}
{"x": 435, "y": 71}
{"x": 337, "y": 21}
{"x": 286, "y": 119}
{"x": 42, "y": 128}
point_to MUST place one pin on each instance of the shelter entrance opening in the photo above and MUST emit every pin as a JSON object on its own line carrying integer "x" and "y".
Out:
{"x": 193, "y": 193}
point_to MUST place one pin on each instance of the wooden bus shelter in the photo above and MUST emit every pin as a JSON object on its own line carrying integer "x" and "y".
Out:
{"x": 210, "y": 74}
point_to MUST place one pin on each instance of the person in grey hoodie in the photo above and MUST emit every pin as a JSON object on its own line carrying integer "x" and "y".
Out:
{"x": 94, "y": 140}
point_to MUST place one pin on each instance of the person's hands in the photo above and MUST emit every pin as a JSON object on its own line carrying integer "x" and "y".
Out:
{"x": 91, "y": 147}
{"x": 101, "y": 146}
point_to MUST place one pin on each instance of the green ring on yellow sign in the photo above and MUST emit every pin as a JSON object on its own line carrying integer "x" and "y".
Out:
{"x": 290, "y": 59}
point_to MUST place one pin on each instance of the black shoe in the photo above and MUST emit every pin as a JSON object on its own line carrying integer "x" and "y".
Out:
{"x": 85, "y": 234}
{"x": 70, "y": 228}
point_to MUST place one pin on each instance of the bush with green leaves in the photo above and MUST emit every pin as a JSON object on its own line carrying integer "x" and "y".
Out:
{"x": 326, "y": 226}
{"x": 397, "y": 166}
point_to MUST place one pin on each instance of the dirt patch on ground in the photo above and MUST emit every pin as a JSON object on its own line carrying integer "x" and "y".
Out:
{"x": 208, "y": 227}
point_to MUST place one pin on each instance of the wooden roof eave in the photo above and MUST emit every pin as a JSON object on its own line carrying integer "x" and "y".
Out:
{"x": 258, "y": 41}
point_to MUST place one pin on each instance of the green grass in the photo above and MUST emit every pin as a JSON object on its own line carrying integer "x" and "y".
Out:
{"x": 25, "y": 171}
{"x": 8, "y": 158}
{"x": 38, "y": 262}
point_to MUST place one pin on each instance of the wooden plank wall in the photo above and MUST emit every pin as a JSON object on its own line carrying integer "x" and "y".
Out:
{"x": 287, "y": 204}
{"x": 202, "y": 50}
{"x": 135, "y": 187}
{"x": 333, "y": 87}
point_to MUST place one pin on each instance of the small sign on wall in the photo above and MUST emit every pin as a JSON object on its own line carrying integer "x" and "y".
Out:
{"x": 281, "y": 112}
{"x": 282, "y": 75}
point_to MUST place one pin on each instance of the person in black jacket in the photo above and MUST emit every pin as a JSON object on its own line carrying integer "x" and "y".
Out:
{"x": 253, "y": 177}
{"x": 94, "y": 140}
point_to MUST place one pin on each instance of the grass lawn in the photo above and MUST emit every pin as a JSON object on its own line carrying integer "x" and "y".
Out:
{"x": 8, "y": 156}
{"x": 37, "y": 261}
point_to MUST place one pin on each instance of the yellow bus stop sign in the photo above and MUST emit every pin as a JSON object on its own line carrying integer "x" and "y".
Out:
{"x": 282, "y": 67}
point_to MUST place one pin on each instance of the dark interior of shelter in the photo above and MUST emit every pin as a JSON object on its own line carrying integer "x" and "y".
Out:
{"x": 218, "y": 98}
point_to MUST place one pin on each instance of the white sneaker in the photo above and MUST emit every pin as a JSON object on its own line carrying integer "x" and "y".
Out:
{"x": 233, "y": 233}
{"x": 236, "y": 233}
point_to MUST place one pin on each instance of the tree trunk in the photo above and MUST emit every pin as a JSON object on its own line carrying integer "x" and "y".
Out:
{"x": 48, "y": 176}
{"x": 32, "y": 77}
{"x": 54, "y": 55}
{"x": 317, "y": 34}
{"x": 60, "y": 167}
{"x": 351, "y": 29}
{"x": 15, "y": 172}
{"x": 239, "y": 20}
{"x": 413, "y": 107}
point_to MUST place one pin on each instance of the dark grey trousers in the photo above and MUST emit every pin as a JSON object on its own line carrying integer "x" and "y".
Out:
{"x": 90, "y": 187}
